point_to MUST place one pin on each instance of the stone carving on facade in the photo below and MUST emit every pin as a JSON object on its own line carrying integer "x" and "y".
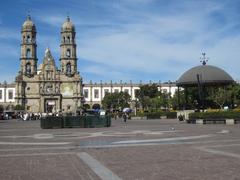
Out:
{"x": 39, "y": 89}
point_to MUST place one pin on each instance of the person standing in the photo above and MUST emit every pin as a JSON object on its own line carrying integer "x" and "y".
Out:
{"x": 125, "y": 117}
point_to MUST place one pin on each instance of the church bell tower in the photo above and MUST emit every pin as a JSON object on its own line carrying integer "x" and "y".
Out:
{"x": 28, "y": 48}
{"x": 68, "y": 52}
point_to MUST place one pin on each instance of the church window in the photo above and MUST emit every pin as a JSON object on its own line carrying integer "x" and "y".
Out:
{"x": 96, "y": 93}
{"x": 68, "y": 39}
{"x": 1, "y": 97}
{"x": 136, "y": 92}
{"x": 126, "y": 90}
{"x": 68, "y": 53}
{"x": 68, "y": 69}
{"x": 28, "y": 39}
{"x": 86, "y": 93}
{"x": 28, "y": 68}
{"x": 106, "y": 91}
{"x": 10, "y": 94}
{"x": 28, "y": 53}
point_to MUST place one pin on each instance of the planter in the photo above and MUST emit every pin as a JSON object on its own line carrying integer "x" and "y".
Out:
{"x": 163, "y": 117}
{"x": 139, "y": 118}
{"x": 199, "y": 121}
{"x": 230, "y": 121}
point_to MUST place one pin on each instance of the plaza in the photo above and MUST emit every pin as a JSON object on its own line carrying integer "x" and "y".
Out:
{"x": 143, "y": 149}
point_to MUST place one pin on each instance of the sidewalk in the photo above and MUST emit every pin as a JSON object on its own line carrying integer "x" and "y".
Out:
{"x": 144, "y": 149}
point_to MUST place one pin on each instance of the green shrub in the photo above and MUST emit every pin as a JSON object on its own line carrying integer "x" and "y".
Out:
{"x": 171, "y": 115}
{"x": 157, "y": 115}
{"x": 220, "y": 114}
{"x": 140, "y": 114}
{"x": 153, "y": 115}
{"x": 19, "y": 107}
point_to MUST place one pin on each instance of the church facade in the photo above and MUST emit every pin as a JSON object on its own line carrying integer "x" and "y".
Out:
{"x": 44, "y": 87}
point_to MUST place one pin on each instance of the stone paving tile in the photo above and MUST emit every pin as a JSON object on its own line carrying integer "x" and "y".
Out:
{"x": 167, "y": 163}
{"x": 182, "y": 160}
{"x": 46, "y": 167}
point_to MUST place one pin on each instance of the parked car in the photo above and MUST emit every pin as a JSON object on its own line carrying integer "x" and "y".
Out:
{"x": 9, "y": 115}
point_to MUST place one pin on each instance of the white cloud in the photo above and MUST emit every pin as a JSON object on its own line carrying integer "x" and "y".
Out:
{"x": 143, "y": 37}
{"x": 52, "y": 20}
{"x": 167, "y": 44}
{"x": 7, "y": 33}
{"x": 9, "y": 51}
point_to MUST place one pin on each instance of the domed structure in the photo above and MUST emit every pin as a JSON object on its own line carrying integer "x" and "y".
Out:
{"x": 68, "y": 25}
{"x": 28, "y": 24}
{"x": 201, "y": 77}
{"x": 206, "y": 74}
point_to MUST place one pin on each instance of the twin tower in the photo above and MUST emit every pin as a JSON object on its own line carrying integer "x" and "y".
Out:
{"x": 68, "y": 55}
{"x": 45, "y": 88}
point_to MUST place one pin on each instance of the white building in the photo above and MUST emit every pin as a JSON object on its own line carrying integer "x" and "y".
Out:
{"x": 7, "y": 95}
{"x": 94, "y": 92}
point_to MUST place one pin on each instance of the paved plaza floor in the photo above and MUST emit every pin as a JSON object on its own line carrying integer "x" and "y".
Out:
{"x": 161, "y": 149}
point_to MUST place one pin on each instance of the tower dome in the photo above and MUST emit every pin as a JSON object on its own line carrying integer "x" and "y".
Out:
{"x": 68, "y": 25}
{"x": 28, "y": 24}
{"x": 209, "y": 75}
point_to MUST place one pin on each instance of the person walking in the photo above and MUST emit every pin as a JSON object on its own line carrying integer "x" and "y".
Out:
{"x": 125, "y": 116}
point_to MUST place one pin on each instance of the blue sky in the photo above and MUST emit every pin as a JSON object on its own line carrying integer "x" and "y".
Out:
{"x": 128, "y": 39}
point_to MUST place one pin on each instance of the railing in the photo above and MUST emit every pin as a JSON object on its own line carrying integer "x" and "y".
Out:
{"x": 88, "y": 121}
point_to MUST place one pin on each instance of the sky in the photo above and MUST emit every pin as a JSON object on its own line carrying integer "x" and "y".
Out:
{"x": 128, "y": 40}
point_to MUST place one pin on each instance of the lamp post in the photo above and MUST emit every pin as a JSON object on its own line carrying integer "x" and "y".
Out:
{"x": 169, "y": 93}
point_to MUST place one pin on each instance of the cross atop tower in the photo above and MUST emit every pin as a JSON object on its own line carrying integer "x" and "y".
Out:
{"x": 28, "y": 16}
{"x": 204, "y": 59}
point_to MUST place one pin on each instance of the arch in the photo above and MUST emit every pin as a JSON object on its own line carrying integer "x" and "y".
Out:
{"x": 68, "y": 53}
{"x": 86, "y": 106}
{"x": 96, "y": 106}
{"x": 28, "y": 68}
{"x": 64, "y": 39}
{"x": 33, "y": 39}
{"x": 28, "y": 53}
{"x": 68, "y": 68}
{"x": 28, "y": 39}
{"x": 68, "y": 39}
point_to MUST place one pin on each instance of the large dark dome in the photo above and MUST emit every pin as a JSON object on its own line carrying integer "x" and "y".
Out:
{"x": 208, "y": 75}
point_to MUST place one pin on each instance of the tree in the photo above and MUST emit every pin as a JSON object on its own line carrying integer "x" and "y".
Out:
{"x": 149, "y": 90}
{"x": 86, "y": 106}
{"x": 178, "y": 99}
{"x": 145, "y": 95}
{"x": 19, "y": 107}
{"x": 116, "y": 100}
{"x": 159, "y": 102}
{"x": 220, "y": 96}
{"x": 236, "y": 94}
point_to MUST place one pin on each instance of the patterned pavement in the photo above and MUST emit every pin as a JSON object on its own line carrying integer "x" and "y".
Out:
{"x": 141, "y": 149}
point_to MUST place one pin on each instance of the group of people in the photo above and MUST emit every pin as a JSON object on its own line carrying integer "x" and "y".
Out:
{"x": 26, "y": 116}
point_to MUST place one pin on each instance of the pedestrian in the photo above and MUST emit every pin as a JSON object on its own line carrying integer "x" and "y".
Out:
{"x": 125, "y": 117}
{"x": 6, "y": 116}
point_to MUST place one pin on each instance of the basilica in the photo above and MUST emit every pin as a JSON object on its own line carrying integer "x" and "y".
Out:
{"x": 44, "y": 87}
